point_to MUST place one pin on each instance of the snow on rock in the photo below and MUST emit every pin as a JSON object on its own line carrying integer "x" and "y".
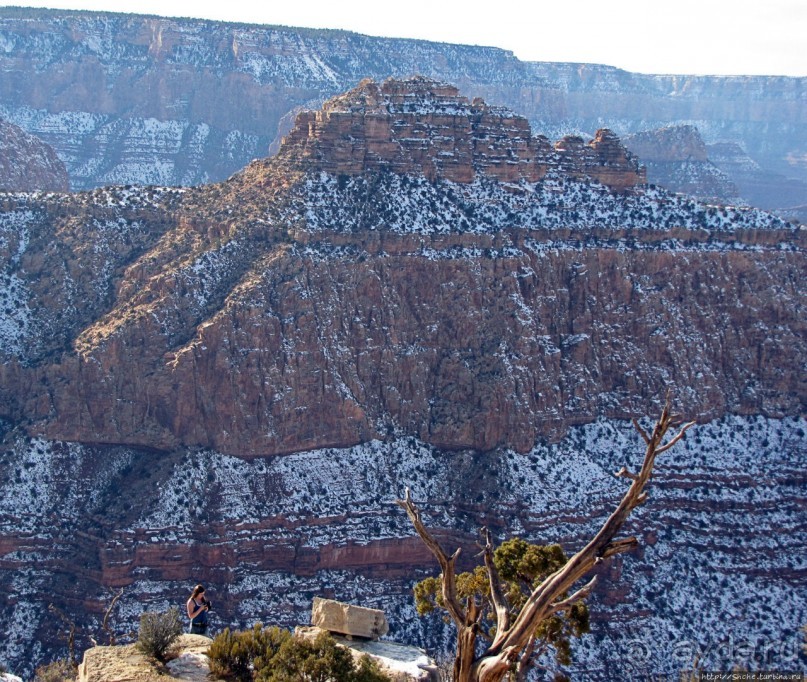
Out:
{"x": 721, "y": 537}
{"x": 413, "y": 205}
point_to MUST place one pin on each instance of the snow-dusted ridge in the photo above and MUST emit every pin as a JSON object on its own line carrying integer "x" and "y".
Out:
{"x": 413, "y": 205}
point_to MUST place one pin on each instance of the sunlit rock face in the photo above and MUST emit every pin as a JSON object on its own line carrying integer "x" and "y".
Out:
{"x": 386, "y": 282}
{"x": 232, "y": 383}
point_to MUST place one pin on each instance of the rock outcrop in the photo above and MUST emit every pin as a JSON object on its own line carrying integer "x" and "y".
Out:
{"x": 421, "y": 127}
{"x": 604, "y": 159}
{"x": 125, "y": 663}
{"x": 28, "y": 164}
{"x": 348, "y": 619}
{"x": 673, "y": 144}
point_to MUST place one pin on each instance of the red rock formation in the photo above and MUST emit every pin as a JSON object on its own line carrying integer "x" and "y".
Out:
{"x": 28, "y": 164}
{"x": 232, "y": 325}
{"x": 612, "y": 164}
{"x": 673, "y": 143}
{"x": 423, "y": 127}
{"x": 603, "y": 159}
{"x": 676, "y": 158}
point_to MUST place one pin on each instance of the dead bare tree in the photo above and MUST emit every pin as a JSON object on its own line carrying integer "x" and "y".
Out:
{"x": 110, "y": 633}
{"x": 71, "y": 632}
{"x": 514, "y": 636}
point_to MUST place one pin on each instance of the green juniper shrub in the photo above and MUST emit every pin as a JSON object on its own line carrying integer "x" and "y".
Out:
{"x": 368, "y": 670}
{"x": 317, "y": 661}
{"x": 236, "y": 654}
{"x": 229, "y": 656}
{"x": 274, "y": 655}
{"x": 158, "y": 633}
{"x": 320, "y": 660}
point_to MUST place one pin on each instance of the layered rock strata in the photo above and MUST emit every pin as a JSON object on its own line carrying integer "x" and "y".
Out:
{"x": 772, "y": 191}
{"x": 676, "y": 158}
{"x": 340, "y": 281}
{"x": 424, "y": 128}
{"x": 722, "y": 536}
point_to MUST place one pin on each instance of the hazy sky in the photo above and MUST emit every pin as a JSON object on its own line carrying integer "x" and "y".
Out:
{"x": 767, "y": 37}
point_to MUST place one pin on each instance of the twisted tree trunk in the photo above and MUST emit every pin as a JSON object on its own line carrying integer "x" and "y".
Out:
{"x": 514, "y": 636}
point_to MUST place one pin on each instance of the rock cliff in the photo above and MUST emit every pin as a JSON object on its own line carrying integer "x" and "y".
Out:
{"x": 424, "y": 128}
{"x": 772, "y": 191}
{"x": 676, "y": 158}
{"x": 231, "y": 383}
{"x": 389, "y": 271}
{"x": 28, "y": 164}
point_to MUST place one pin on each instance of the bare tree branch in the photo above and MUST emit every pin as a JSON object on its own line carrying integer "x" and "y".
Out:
{"x": 496, "y": 593}
{"x": 624, "y": 473}
{"x": 524, "y": 661}
{"x": 515, "y": 638}
{"x": 641, "y": 431}
{"x": 449, "y": 578}
{"x": 677, "y": 437}
{"x": 105, "y": 625}
{"x": 601, "y": 546}
{"x": 581, "y": 594}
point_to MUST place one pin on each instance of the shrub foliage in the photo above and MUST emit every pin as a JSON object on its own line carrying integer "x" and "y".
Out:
{"x": 158, "y": 632}
{"x": 274, "y": 655}
{"x": 57, "y": 671}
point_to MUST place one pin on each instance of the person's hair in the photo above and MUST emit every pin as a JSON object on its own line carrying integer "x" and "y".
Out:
{"x": 197, "y": 591}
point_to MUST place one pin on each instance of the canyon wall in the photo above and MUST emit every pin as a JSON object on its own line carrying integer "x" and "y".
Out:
{"x": 232, "y": 383}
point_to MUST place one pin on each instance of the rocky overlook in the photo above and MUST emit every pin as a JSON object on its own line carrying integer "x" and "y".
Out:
{"x": 128, "y": 99}
{"x": 230, "y": 383}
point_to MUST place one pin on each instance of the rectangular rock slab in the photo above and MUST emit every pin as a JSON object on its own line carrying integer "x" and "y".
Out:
{"x": 346, "y": 619}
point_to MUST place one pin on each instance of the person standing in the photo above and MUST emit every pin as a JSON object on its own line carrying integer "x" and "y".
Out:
{"x": 198, "y": 608}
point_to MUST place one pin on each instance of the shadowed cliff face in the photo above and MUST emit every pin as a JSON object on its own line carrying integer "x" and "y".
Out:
{"x": 410, "y": 262}
{"x": 401, "y": 297}
{"x": 28, "y": 164}
{"x": 677, "y": 159}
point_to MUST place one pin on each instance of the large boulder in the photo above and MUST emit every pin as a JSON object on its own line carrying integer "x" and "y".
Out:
{"x": 346, "y": 619}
